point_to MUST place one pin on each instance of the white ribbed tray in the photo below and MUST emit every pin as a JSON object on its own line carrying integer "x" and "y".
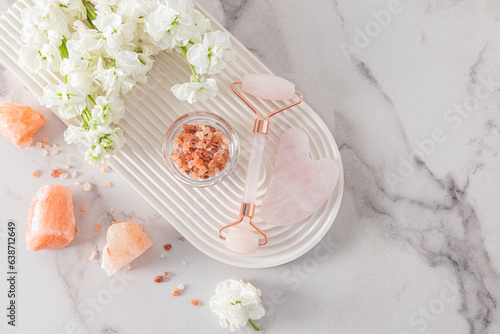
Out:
{"x": 199, "y": 213}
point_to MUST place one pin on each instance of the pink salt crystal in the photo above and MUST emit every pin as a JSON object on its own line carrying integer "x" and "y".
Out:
{"x": 242, "y": 241}
{"x": 125, "y": 242}
{"x": 51, "y": 223}
{"x": 93, "y": 255}
{"x": 38, "y": 144}
{"x": 269, "y": 87}
{"x": 19, "y": 123}
{"x": 299, "y": 185}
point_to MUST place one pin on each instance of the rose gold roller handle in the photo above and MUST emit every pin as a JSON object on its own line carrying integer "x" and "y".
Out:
{"x": 243, "y": 241}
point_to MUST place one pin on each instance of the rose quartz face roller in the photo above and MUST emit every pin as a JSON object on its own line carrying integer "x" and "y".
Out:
{"x": 268, "y": 87}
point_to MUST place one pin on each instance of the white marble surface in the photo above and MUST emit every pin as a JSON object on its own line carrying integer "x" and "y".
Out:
{"x": 414, "y": 108}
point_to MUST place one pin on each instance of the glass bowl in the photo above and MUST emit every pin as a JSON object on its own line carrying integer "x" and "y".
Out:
{"x": 209, "y": 119}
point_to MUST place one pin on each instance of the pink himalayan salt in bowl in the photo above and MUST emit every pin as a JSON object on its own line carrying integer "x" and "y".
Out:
{"x": 208, "y": 119}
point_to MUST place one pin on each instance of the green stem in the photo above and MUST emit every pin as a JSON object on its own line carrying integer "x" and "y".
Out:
{"x": 91, "y": 99}
{"x": 194, "y": 77}
{"x": 63, "y": 49}
{"x": 91, "y": 15}
{"x": 86, "y": 113}
{"x": 253, "y": 325}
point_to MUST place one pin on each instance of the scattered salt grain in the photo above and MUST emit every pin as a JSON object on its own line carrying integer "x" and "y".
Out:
{"x": 34, "y": 173}
{"x": 158, "y": 279}
{"x": 108, "y": 184}
{"x": 74, "y": 174}
{"x": 97, "y": 227}
{"x": 183, "y": 263}
{"x": 93, "y": 255}
{"x": 111, "y": 210}
{"x": 38, "y": 144}
{"x": 45, "y": 152}
{"x": 55, "y": 173}
{"x": 104, "y": 169}
{"x": 77, "y": 183}
{"x": 195, "y": 302}
{"x": 163, "y": 255}
{"x": 67, "y": 166}
{"x": 45, "y": 139}
{"x": 87, "y": 186}
{"x": 127, "y": 267}
{"x": 45, "y": 145}
{"x": 54, "y": 152}
{"x": 64, "y": 176}
{"x": 82, "y": 208}
{"x": 180, "y": 286}
{"x": 54, "y": 145}
{"x": 175, "y": 292}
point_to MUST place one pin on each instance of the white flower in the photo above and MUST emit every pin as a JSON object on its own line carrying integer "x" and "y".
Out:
{"x": 108, "y": 76}
{"x": 136, "y": 11}
{"x": 87, "y": 39}
{"x": 30, "y": 58}
{"x": 202, "y": 24}
{"x": 69, "y": 101}
{"x": 175, "y": 23}
{"x": 235, "y": 302}
{"x": 158, "y": 23}
{"x": 195, "y": 91}
{"x": 211, "y": 56}
{"x": 134, "y": 68}
{"x": 80, "y": 83}
{"x": 51, "y": 56}
{"x": 75, "y": 135}
{"x": 114, "y": 32}
{"x": 105, "y": 5}
{"x": 104, "y": 141}
{"x": 74, "y": 9}
{"x": 107, "y": 111}
{"x": 78, "y": 60}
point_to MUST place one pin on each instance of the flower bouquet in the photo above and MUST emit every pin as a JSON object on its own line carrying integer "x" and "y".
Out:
{"x": 102, "y": 48}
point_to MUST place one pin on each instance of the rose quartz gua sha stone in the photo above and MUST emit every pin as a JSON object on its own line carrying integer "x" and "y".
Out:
{"x": 299, "y": 185}
{"x": 267, "y": 87}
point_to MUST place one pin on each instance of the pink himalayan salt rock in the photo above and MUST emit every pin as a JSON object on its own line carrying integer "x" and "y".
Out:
{"x": 299, "y": 185}
{"x": 268, "y": 87}
{"x": 51, "y": 223}
{"x": 242, "y": 241}
{"x": 19, "y": 123}
{"x": 125, "y": 242}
